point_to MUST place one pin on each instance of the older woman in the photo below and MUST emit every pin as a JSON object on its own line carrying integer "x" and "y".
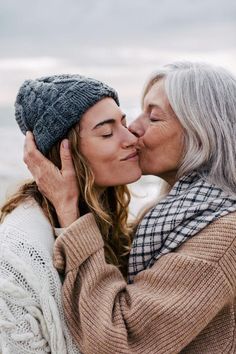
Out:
{"x": 182, "y": 266}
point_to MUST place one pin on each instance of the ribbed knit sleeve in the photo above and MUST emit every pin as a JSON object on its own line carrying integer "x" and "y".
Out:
{"x": 164, "y": 309}
{"x": 77, "y": 243}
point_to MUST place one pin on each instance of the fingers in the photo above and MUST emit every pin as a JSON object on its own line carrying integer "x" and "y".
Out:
{"x": 33, "y": 158}
{"x": 66, "y": 158}
{"x": 31, "y": 153}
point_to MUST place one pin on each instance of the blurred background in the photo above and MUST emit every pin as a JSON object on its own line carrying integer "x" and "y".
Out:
{"x": 120, "y": 42}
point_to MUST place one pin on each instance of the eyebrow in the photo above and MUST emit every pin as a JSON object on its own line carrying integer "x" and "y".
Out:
{"x": 108, "y": 121}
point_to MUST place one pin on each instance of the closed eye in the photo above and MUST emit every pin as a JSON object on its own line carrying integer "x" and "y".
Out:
{"x": 154, "y": 119}
{"x": 107, "y": 135}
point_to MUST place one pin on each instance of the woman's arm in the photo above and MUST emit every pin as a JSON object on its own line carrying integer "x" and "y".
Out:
{"x": 162, "y": 312}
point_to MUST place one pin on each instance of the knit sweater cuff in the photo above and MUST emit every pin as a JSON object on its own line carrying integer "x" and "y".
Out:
{"x": 81, "y": 239}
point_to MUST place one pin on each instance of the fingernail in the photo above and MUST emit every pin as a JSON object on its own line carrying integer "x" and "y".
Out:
{"x": 65, "y": 144}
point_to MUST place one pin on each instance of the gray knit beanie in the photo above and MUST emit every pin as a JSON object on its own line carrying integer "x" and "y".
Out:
{"x": 51, "y": 105}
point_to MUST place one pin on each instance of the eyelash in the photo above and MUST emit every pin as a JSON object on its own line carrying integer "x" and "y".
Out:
{"x": 110, "y": 135}
{"x": 153, "y": 119}
{"x": 107, "y": 135}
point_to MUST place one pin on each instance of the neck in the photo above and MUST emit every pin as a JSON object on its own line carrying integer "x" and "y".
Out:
{"x": 170, "y": 177}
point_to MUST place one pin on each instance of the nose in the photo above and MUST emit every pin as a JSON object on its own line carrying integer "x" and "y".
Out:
{"x": 138, "y": 126}
{"x": 129, "y": 139}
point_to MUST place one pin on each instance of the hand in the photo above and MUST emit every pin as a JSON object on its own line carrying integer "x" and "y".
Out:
{"x": 59, "y": 186}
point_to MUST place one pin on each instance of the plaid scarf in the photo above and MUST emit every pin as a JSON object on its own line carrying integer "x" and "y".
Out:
{"x": 190, "y": 206}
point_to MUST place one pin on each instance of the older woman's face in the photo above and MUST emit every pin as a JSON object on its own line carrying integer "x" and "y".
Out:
{"x": 109, "y": 147}
{"x": 160, "y": 135}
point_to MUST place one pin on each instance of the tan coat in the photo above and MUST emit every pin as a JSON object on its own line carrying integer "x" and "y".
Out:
{"x": 184, "y": 304}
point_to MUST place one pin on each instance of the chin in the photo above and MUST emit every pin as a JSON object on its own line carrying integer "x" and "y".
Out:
{"x": 129, "y": 179}
{"x": 125, "y": 179}
{"x": 134, "y": 179}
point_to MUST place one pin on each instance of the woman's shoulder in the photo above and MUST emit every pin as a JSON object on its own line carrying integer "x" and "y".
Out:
{"x": 212, "y": 242}
{"x": 27, "y": 224}
{"x": 26, "y": 246}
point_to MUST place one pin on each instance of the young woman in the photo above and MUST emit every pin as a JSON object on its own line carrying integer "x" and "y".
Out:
{"x": 104, "y": 157}
{"x": 181, "y": 293}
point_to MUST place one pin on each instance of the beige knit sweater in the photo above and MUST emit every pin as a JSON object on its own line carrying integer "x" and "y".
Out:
{"x": 184, "y": 303}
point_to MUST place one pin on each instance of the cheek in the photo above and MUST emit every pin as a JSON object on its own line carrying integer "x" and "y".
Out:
{"x": 152, "y": 139}
{"x": 103, "y": 165}
{"x": 163, "y": 137}
{"x": 109, "y": 170}
{"x": 97, "y": 152}
{"x": 106, "y": 168}
{"x": 99, "y": 162}
{"x": 103, "y": 159}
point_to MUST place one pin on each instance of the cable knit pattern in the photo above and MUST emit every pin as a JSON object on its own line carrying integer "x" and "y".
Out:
{"x": 31, "y": 313}
{"x": 51, "y": 105}
{"x": 185, "y": 303}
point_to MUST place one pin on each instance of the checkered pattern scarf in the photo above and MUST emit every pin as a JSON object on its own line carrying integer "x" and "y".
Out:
{"x": 189, "y": 207}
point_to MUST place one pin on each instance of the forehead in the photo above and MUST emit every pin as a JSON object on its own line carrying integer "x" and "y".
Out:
{"x": 156, "y": 96}
{"x": 104, "y": 109}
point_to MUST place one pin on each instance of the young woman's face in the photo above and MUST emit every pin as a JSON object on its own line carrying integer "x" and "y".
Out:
{"x": 108, "y": 146}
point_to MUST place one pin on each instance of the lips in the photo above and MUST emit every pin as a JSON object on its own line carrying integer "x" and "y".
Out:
{"x": 131, "y": 156}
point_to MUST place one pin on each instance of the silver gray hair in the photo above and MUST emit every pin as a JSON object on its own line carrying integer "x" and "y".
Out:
{"x": 203, "y": 97}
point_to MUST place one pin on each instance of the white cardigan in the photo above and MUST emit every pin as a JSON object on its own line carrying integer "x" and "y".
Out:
{"x": 31, "y": 313}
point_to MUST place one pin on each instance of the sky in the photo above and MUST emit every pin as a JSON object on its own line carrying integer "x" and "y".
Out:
{"x": 117, "y": 41}
{"x": 61, "y": 28}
